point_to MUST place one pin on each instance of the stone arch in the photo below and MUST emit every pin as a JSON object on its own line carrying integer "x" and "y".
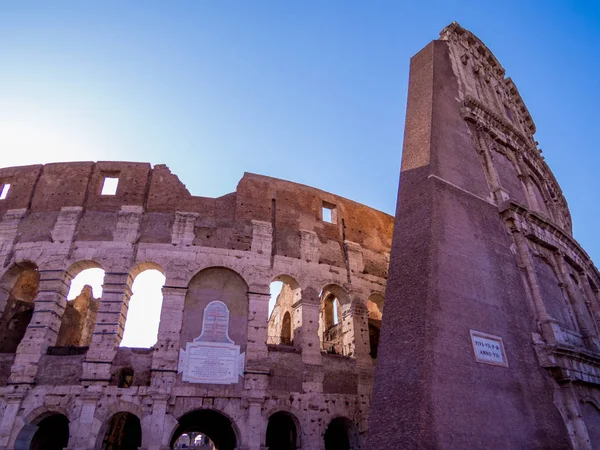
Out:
{"x": 79, "y": 317}
{"x": 143, "y": 266}
{"x": 44, "y": 429}
{"x": 556, "y": 302}
{"x": 218, "y": 426}
{"x": 123, "y": 431}
{"x": 144, "y": 308}
{"x": 103, "y": 415}
{"x": 208, "y": 285}
{"x": 342, "y": 434}
{"x": 285, "y": 304}
{"x": 19, "y": 288}
{"x": 375, "y": 312}
{"x": 10, "y": 277}
{"x": 335, "y": 302}
{"x": 283, "y": 431}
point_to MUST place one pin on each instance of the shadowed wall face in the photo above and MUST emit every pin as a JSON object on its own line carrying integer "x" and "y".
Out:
{"x": 471, "y": 181}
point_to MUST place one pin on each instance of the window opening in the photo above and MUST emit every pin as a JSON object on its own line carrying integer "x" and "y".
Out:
{"x": 81, "y": 311}
{"x": 335, "y": 311}
{"x": 275, "y": 290}
{"x": 329, "y": 213}
{"x": 125, "y": 378}
{"x": 109, "y": 186}
{"x": 143, "y": 316}
{"x": 92, "y": 277}
{"x": 4, "y": 192}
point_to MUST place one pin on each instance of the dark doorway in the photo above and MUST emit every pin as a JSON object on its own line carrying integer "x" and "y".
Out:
{"x": 52, "y": 433}
{"x": 373, "y": 339}
{"x": 286, "y": 329}
{"x": 124, "y": 433}
{"x": 341, "y": 434}
{"x": 16, "y": 321}
{"x": 213, "y": 424}
{"x": 281, "y": 432}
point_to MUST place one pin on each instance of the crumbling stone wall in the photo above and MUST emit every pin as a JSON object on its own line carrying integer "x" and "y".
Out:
{"x": 68, "y": 365}
{"x": 78, "y": 321}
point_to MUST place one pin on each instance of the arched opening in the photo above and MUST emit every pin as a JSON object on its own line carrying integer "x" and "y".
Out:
{"x": 19, "y": 288}
{"x": 52, "y": 433}
{"x": 194, "y": 440}
{"x": 334, "y": 301}
{"x": 212, "y": 424}
{"x": 210, "y": 285}
{"x": 555, "y": 298}
{"x": 284, "y": 316}
{"x": 143, "y": 314}
{"x": 374, "y": 333}
{"x": 375, "y": 310}
{"x": 286, "y": 329}
{"x": 281, "y": 432}
{"x": 83, "y": 300}
{"x": 125, "y": 378}
{"x": 124, "y": 432}
{"x": 342, "y": 434}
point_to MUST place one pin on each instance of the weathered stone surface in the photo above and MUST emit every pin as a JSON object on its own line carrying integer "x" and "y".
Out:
{"x": 63, "y": 359}
{"x": 482, "y": 242}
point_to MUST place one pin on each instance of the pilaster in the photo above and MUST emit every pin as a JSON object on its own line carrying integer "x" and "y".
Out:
{"x": 42, "y": 330}
{"x": 108, "y": 330}
{"x": 166, "y": 355}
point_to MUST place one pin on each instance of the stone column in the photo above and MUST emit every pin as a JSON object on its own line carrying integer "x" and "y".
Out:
{"x": 355, "y": 320}
{"x": 154, "y": 424}
{"x": 257, "y": 365}
{"x": 83, "y": 432}
{"x": 547, "y": 323}
{"x": 42, "y": 331}
{"x": 310, "y": 343}
{"x": 578, "y": 304}
{"x": 581, "y": 438}
{"x": 13, "y": 404}
{"x": 258, "y": 317}
{"x": 166, "y": 354}
{"x": 108, "y": 330}
{"x": 256, "y": 426}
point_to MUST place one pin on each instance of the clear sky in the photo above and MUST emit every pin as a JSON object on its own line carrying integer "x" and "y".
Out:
{"x": 309, "y": 91}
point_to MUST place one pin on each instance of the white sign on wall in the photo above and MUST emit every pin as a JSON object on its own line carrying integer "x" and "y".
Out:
{"x": 212, "y": 357}
{"x": 489, "y": 349}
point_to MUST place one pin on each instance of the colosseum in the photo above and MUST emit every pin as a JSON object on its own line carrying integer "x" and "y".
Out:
{"x": 490, "y": 335}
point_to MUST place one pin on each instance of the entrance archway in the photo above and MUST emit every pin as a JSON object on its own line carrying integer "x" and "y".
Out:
{"x": 342, "y": 434}
{"x": 282, "y": 433}
{"x": 52, "y": 434}
{"x": 218, "y": 428}
{"x": 124, "y": 432}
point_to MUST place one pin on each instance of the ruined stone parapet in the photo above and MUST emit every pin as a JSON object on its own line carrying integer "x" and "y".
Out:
{"x": 56, "y": 221}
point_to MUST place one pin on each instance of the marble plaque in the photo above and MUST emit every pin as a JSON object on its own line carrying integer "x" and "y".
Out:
{"x": 212, "y": 357}
{"x": 489, "y": 349}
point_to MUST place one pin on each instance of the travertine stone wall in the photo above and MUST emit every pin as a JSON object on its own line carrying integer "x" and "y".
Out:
{"x": 55, "y": 223}
{"x": 482, "y": 242}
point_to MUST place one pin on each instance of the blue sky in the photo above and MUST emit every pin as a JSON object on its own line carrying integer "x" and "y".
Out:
{"x": 310, "y": 91}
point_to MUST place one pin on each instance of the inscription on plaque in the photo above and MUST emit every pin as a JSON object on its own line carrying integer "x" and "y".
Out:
{"x": 212, "y": 357}
{"x": 488, "y": 349}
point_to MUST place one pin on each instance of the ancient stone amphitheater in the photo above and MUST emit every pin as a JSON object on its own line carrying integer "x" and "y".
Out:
{"x": 490, "y": 337}
{"x": 66, "y": 382}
